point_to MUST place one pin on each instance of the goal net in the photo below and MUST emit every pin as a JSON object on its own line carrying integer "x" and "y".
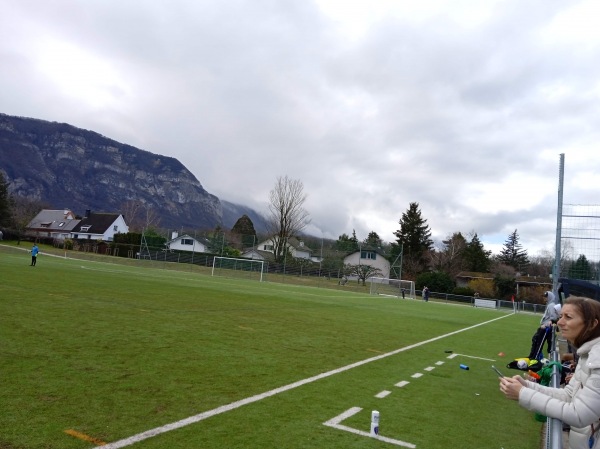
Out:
{"x": 238, "y": 268}
{"x": 392, "y": 287}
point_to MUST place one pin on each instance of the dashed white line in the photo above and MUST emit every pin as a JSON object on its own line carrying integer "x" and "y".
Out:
{"x": 382, "y": 394}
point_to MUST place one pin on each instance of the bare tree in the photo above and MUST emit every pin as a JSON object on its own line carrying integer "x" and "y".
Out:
{"x": 151, "y": 217}
{"x": 139, "y": 215}
{"x": 449, "y": 256}
{"x": 131, "y": 211}
{"x": 23, "y": 211}
{"x": 287, "y": 216}
{"x": 362, "y": 272}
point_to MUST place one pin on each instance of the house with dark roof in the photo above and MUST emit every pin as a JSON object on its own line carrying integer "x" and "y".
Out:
{"x": 100, "y": 226}
{"x": 49, "y": 223}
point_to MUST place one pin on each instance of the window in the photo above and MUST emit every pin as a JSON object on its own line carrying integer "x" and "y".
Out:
{"x": 61, "y": 224}
{"x": 45, "y": 224}
{"x": 115, "y": 228}
{"x": 86, "y": 228}
{"x": 187, "y": 242}
{"x": 368, "y": 255}
{"x": 268, "y": 247}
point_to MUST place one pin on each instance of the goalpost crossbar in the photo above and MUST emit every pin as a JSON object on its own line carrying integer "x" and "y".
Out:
{"x": 399, "y": 288}
{"x": 229, "y": 266}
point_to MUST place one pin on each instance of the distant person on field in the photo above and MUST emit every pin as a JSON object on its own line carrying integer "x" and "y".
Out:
{"x": 578, "y": 403}
{"x": 425, "y": 294}
{"x": 543, "y": 332}
{"x": 403, "y": 292}
{"x": 34, "y": 252}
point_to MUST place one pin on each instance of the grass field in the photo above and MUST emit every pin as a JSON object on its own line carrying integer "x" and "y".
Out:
{"x": 97, "y": 353}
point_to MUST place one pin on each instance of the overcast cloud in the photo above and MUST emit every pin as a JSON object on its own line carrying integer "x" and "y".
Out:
{"x": 461, "y": 106}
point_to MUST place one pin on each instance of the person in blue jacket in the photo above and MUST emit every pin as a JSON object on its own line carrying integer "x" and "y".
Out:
{"x": 34, "y": 252}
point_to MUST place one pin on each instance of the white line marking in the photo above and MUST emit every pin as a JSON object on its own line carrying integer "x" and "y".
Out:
{"x": 237, "y": 404}
{"x": 339, "y": 418}
{"x": 402, "y": 383}
{"x": 335, "y": 423}
{"x": 382, "y": 394}
{"x": 473, "y": 357}
{"x": 451, "y": 356}
{"x": 417, "y": 375}
{"x": 429, "y": 368}
{"x": 439, "y": 363}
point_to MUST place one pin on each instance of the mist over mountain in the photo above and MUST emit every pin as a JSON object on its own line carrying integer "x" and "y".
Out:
{"x": 69, "y": 167}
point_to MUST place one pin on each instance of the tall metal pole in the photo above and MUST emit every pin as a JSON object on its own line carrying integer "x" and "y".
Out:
{"x": 554, "y": 426}
{"x": 557, "y": 255}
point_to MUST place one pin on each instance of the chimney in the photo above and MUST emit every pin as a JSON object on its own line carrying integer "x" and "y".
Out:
{"x": 174, "y": 235}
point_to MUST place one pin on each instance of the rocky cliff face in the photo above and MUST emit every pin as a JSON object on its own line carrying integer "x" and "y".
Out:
{"x": 73, "y": 168}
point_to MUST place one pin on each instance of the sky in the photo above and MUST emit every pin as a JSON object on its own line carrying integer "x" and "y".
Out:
{"x": 461, "y": 106}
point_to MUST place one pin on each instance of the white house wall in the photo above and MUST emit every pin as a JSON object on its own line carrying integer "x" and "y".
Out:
{"x": 117, "y": 227}
{"x": 196, "y": 247}
{"x": 380, "y": 262}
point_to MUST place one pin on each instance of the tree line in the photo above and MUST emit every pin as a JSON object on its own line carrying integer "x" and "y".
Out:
{"x": 413, "y": 255}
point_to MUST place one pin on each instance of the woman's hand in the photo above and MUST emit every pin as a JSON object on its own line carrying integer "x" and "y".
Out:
{"x": 511, "y": 386}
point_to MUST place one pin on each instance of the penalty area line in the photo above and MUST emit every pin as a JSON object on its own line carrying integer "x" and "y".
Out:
{"x": 259, "y": 397}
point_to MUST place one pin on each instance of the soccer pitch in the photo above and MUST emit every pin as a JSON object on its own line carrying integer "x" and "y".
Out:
{"x": 105, "y": 354}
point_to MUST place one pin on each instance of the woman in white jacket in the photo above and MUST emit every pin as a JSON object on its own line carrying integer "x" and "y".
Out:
{"x": 578, "y": 404}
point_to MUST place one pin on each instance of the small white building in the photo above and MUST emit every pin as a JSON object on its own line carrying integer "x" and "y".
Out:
{"x": 295, "y": 247}
{"x": 187, "y": 243}
{"x": 372, "y": 257}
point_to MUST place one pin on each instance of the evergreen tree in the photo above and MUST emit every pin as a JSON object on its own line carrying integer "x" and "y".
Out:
{"x": 581, "y": 269}
{"x": 414, "y": 240}
{"x": 373, "y": 240}
{"x": 5, "y": 202}
{"x": 245, "y": 228}
{"x": 476, "y": 257}
{"x": 436, "y": 282}
{"x": 513, "y": 254}
{"x": 346, "y": 243}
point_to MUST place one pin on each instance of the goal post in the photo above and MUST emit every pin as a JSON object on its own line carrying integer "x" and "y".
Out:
{"x": 239, "y": 268}
{"x": 399, "y": 288}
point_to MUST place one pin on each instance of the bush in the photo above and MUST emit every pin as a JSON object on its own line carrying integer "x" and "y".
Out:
{"x": 436, "y": 281}
{"x": 463, "y": 291}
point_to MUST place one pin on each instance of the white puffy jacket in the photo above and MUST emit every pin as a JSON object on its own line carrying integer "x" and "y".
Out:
{"x": 578, "y": 404}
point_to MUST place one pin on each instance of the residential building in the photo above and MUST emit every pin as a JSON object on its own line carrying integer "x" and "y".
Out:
{"x": 187, "y": 243}
{"x": 369, "y": 256}
{"x": 266, "y": 249}
{"x": 50, "y": 223}
{"x": 100, "y": 226}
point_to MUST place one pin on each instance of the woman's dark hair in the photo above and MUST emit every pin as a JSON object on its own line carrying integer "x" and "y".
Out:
{"x": 590, "y": 311}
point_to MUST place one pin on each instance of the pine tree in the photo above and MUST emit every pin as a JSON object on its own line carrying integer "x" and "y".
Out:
{"x": 373, "y": 240}
{"x": 347, "y": 243}
{"x": 414, "y": 240}
{"x": 581, "y": 269}
{"x": 513, "y": 254}
{"x": 245, "y": 228}
{"x": 476, "y": 257}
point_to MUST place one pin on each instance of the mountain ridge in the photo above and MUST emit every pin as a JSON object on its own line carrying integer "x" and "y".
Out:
{"x": 78, "y": 169}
